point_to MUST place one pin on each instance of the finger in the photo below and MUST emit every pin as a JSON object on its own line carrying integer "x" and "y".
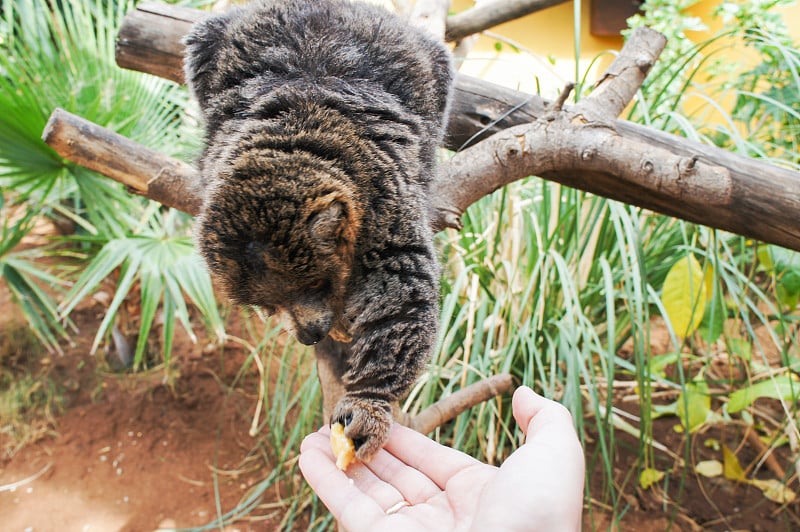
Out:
{"x": 545, "y": 475}
{"x": 547, "y": 425}
{"x": 414, "y": 486}
{"x": 534, "y": 413}
{"x": 437, "y": 462}
{"x": 317, "y": 440}
{"x": 355, "y": 510}
{"x": 384, "y": 493}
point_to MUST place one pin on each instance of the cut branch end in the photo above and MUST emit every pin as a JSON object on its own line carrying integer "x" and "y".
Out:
{"x": 451, "y": 406}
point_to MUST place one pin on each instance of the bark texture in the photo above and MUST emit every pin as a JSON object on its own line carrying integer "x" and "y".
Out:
{"x": 762, "y": 197}
{"x": 144, "y": 171}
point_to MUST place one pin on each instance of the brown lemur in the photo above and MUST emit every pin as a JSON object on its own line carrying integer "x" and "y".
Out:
{"x": 322, "y": 122}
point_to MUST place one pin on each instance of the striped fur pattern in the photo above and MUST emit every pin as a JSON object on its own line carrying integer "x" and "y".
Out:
{"x": 322, "y": 119}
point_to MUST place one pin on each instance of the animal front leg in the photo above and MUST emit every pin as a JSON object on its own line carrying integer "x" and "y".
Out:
{"x": 332, "y": 359}
{"x": 384, "y": 363}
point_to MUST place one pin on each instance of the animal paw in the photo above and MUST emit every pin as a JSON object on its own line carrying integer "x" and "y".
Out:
{"x": 366, "y": 422}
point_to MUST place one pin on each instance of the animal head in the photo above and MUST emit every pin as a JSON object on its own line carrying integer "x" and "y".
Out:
{"x": 277, "y": 232}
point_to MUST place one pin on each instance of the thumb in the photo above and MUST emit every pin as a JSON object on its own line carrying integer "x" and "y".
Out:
{"x": 534, "y": 413}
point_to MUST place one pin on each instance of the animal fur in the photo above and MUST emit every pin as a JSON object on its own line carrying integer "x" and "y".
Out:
{"x": 322, "y": 120}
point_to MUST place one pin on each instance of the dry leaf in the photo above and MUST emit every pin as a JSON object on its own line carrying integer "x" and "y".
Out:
{"x": 709, "y": 468}
{"x": 774, "y": 490}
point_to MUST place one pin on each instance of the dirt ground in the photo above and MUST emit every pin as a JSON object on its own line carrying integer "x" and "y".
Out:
{"x": 135, "y": 454}
{"x": 132, "y": 453}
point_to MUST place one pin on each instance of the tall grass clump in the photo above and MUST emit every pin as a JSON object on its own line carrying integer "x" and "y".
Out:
{"x": 288, "y": 407}
{"x": 566, "y": 290}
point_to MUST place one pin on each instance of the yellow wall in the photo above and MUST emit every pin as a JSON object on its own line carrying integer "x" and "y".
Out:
{"x": 548, "y": 32}
{"x": 548, "y": 35}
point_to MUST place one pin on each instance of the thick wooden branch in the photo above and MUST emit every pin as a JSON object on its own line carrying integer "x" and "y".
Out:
{"x": 565, "y": 147}
{"x": 763, "y": 197}
{"x": 755, "y": 199}
{"x": 489, "y": 14}
{"x": 144, "y": 171}
{"x": 149, "y": 39}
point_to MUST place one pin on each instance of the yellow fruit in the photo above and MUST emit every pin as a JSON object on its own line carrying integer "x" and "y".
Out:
{"x": 342, "y": 447}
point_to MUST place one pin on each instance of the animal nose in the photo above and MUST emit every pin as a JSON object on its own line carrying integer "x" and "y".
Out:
{"x": 312, "y": 334}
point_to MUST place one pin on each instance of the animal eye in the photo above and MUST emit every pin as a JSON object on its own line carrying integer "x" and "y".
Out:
{"x": 318, "y": 285}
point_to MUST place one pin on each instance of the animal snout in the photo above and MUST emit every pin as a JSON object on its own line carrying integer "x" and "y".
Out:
{"x": 313, "y": 333}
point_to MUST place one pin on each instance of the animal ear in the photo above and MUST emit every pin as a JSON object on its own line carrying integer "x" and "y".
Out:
{"x": 327, "y": 223}
{"x": 203, "y": 43}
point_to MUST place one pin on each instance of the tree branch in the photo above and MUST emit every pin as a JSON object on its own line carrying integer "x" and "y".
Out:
{"x": 144, "y": 171}
{"x": 489, "y": 14}
{"x": 430, "y": 16}
{"x": 451, "y": 406}
{"x": 763, "y": 197}
{"x": 564, "y": 146}
{"x": 150, "y": 39}
{"x": 624, "y": 76}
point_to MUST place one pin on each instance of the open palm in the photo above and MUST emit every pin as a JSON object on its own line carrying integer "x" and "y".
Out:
{"x": 539, "y": 487}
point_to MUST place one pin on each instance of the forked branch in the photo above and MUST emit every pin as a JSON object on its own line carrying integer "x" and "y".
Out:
{"x": 763, "y": 200}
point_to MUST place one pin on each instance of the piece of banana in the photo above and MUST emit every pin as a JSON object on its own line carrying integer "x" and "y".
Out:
{"x": 342, "y": 447}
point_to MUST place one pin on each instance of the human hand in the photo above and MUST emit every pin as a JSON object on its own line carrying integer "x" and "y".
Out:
{"x": 539, "y": 487}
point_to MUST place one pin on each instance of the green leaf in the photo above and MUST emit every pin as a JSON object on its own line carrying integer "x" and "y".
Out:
{"x": 128, "y": 276}
{"x": 777, "y": 259}
{"x": 664, "y": 410}
{"x": 152, "y": 287}
{"x": 780, "y": 387}
{"x": 649, "y": 476}
{"x": 713, "y": 323}
{"x": 684, "y": 295}
{"x": 168, "y": 330}
{"x": 695, "y": 397}
{"x": 741, "y": 348}
{"x": 709, "y": 275}
{"x": 765, "y": 257}
{"x": 659, "y": 363}
{"x": 110, "y": 257}
{"x": 791, "y": 281}
{"x": 36, "y": 305}
{"x": 787, "y": 289}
